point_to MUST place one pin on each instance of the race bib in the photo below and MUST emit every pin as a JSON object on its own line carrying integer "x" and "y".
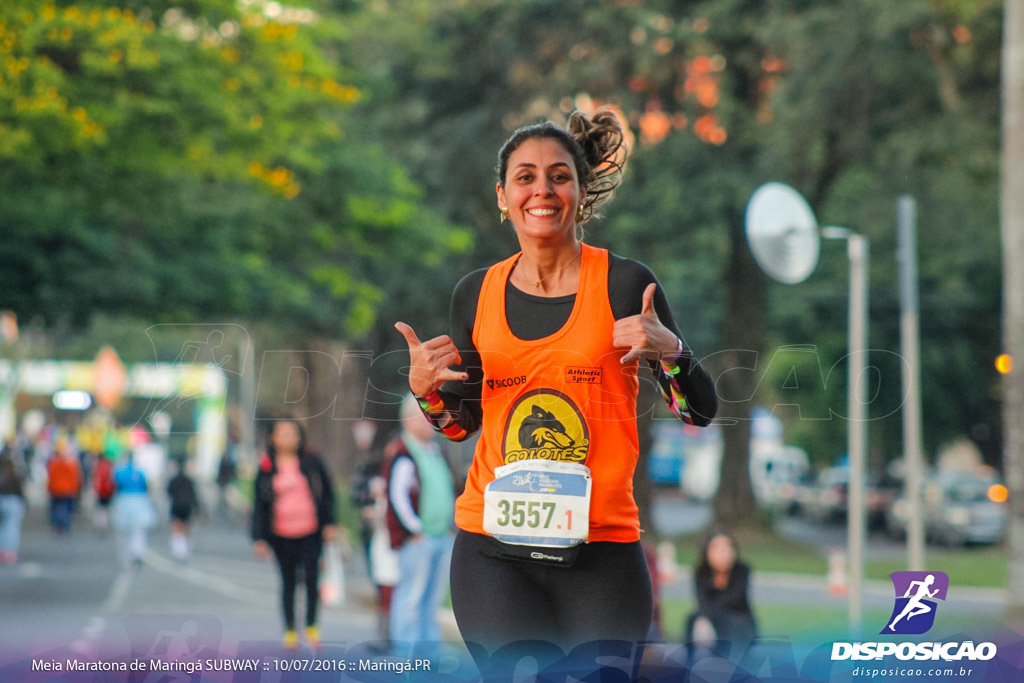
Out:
{"x": 539, "y": 502}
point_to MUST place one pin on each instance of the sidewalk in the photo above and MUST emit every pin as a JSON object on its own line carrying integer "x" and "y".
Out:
{"x": 69, "y": 601}
{"x": 68, "y": 606}
{"x": 70, "y": 590}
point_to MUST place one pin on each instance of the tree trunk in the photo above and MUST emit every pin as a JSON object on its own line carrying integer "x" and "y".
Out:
{"x": 335, "y": 388}
{"x": 738, "y": 372}
{"x": 1012, "y": 210}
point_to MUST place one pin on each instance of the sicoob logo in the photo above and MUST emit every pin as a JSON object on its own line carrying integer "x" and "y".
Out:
{"x": 505, "y": 382}
{"x": 916, "y": 592}
{"x": 545, "y": 424}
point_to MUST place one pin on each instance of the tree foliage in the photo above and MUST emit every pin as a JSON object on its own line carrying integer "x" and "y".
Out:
{"x": 176, "y": 161}
{"x": 181, "y": 160}
{"x": 853, "y": 102}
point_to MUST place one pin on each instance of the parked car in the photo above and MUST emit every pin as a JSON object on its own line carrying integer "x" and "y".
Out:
{"x": 796, "y": 495}
{"x": 958, "y": 507}
{"x": 774, "y": 472}
{"x": 827, "y": 500}
{"x": 881, "y": 491}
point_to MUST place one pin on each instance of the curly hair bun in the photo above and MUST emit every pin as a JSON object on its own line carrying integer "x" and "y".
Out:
{"x": 602, "y": 138}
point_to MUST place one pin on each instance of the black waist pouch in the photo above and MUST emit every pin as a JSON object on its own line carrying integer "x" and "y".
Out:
{"x": 489, "y": 546}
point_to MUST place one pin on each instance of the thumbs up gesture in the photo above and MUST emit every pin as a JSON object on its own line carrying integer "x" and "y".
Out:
{"x": 429, "y": 361}
{"x": 643, "y": 334}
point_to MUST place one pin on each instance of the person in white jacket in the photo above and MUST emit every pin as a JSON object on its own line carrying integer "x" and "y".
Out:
{"x": 420, "y": 515}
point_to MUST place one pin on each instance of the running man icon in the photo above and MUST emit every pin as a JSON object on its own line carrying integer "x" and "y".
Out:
{"x": 915, "y": 594}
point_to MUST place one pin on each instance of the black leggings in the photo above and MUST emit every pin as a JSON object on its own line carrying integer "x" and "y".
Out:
{"x": 605, "y": 595}
{"x": 291, "y": 553}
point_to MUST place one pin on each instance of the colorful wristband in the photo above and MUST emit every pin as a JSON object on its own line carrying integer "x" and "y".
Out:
{"x": 454, "y": 431}
{"x": 432, "y": 404}
{"x": 679, "y": 351}
{"x": 669, "y": 364}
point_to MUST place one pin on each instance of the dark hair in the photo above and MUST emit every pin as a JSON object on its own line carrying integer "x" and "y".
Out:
{"x": 704, "y": 571}
{"x": 272, "y": 449}
{"x": 596, "y": 144}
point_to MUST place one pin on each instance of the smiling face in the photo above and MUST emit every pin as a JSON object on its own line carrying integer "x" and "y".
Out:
{"x": 541, "y": 190}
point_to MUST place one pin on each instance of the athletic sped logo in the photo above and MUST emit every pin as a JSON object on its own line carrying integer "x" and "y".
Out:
{"x": 916, "y": 592}
{"x": 545, "y": 424}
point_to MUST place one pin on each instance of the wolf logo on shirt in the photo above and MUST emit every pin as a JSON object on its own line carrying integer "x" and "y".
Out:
{"x": 545, "y": 424}
{"x": 542, "y": 428}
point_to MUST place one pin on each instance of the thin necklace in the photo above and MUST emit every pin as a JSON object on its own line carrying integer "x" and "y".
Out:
{"x": 566, "y": 265}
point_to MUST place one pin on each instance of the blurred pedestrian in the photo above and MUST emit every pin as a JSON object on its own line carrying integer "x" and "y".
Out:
{"x": 293, "y": 516}
{"x": 133, "y": 513}
{"x": 369, "y": 494}
{"x": 12, "y": 502}
{"x": 382, "y": 558}
{"x": 654, "y": 634}
{"x": 64, "y": 473}
{"x": 361, "y": 494}
{"x": 227, "y": 471}
{"x": 103, "y": 487}
{"x": 722, "y": 621}
{"x": 421, "y": 514}
{"x": 184, "y": 500}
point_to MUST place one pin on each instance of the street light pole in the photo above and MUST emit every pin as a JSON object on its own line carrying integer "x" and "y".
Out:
{"x": 910, "y": 342}
{"x": 857, "y": 251}
{"x": 783, "y": 238}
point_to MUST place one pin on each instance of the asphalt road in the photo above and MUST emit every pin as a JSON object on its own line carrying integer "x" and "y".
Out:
{"x": 69, "y": 599}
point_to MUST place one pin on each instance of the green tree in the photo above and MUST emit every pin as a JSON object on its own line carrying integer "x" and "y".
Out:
{"x": 198, "y": 161}
{"x": 852, "y": 102}
{"x": 176, "y": 161}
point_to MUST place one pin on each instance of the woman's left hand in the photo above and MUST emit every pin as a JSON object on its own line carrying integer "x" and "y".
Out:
{"x": 643, "y": 334}
{"x": 261, "y": 549}
{"x": 330, "y": 533}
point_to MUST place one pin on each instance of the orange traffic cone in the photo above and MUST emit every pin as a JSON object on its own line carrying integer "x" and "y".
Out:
{"x": 668, "y": 568}
{"x": 837, "y": 572}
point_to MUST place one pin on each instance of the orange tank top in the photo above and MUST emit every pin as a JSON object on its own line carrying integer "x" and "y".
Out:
{"x": 563, "y": 397}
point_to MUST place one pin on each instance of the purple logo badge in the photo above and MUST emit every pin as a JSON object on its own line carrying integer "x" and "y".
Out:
{"x": 916, "y": 592}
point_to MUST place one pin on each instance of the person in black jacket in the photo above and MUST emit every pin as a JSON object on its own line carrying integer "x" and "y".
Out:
{"x": 723, "y": 618}
{"x": 181, "y": 491}
{"x": 293, "y": 515}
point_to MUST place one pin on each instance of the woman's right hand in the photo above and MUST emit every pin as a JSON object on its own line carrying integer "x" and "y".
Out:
{"x": 261, "y": 549}
{"x": 430, "y": 361}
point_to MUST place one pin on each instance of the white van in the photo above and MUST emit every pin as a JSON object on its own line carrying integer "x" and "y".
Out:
{"x": 774, "y": 471}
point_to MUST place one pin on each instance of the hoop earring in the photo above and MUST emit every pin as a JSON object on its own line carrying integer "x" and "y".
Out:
{"x": 579, "y": 214}
{"x": 504, "y": 213}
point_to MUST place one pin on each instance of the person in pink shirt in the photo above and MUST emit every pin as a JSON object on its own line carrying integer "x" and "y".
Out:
{"x": 293, "y": 515}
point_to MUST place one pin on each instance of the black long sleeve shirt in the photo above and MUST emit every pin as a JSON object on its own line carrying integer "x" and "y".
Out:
{"x": 533, "y": 317}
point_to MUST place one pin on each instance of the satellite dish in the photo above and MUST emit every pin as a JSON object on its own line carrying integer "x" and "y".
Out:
{"x": 782, "y": 233}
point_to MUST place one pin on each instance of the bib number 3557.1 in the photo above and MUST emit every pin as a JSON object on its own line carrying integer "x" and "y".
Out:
{"x": 539, "y": 502}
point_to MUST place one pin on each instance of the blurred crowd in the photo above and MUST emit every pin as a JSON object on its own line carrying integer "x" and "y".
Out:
{"x": 103, "y": 475}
